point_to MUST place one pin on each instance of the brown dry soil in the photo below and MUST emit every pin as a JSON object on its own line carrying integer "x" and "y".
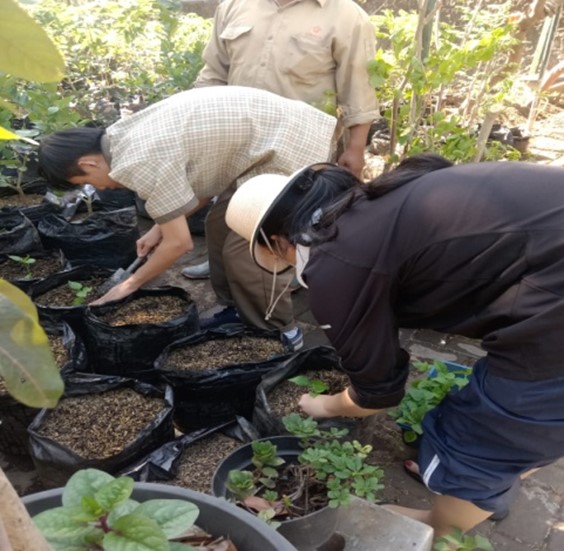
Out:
{"x": 12, "y": 270}
{"x": 222, "y": 352}
{"x": 63, "y": 295}
{"x": 17, "y": 200}
{"x": 97, "y": 426}
{"x": 146, "y": 310}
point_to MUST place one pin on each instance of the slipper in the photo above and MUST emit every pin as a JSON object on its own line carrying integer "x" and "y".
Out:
{"x": 416, "y": 476}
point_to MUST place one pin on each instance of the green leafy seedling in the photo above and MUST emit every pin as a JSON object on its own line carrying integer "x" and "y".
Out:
{"x": 26, "y": 261}
{"x": 458, "y": 541}
{"x": 98, "y": 513}
{"x": 81, "y": 292}
{"x": 315, "y": 387}
{"x": 241, "y": 484}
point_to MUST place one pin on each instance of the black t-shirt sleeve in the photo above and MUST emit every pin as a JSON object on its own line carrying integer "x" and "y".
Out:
{"x": 354, "y": 307}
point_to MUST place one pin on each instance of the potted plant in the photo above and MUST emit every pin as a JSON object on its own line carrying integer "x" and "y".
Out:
{"x": 297, "y": 482}
{"x": 425, "y": 394}
{"x": 97, "y": 511}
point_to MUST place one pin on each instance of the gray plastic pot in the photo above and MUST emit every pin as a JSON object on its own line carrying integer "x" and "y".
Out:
{"x": 217, "y": 516}
{"x": 307, "y": 533}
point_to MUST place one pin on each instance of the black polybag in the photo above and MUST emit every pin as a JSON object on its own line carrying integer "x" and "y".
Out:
{"x": 52, "y": 317}
{"x": 213, "y": 396}
{"x": 162, "y": 464}
{"x": 131, "y": 350}
{"x": 313, "y": 359}
{"x": 18, "y": 234}
{"x": 23, "y": 283}
{"x": 55, "y": 463}
{"x": 48, "y": 205}
{"x": 105, "y": 238}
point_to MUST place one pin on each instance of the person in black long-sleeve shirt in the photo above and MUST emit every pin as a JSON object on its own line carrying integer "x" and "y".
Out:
{"x": 474, "y": 250}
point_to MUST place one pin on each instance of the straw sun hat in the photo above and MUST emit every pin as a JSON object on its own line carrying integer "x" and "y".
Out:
{"x": 254, "y": 201}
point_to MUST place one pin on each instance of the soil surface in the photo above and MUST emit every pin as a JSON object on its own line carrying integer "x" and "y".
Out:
{"x": 63, "y": 295}
{"x": 222, "y": 352}
{"x": 97, "y": 426}
{"x": 13, "y": 270}
{"x": 21, "y": 201}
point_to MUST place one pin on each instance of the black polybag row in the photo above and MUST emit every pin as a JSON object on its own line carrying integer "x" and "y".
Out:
{"x": 131, "y": 350}
{"x": 18, "y": 235}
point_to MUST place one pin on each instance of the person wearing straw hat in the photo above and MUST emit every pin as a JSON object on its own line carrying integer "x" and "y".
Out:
{"x": 177, "y": 154}
{"x": 474, "y": 250}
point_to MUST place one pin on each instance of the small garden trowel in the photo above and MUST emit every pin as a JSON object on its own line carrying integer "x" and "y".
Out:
{"x": 121, "y": 274}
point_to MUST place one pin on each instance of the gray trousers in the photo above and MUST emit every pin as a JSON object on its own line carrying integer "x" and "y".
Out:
{"x": 237, "y": 280}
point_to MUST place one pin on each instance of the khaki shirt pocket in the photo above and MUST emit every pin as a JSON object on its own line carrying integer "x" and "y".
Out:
{"x": 232, "y": 32}
{"x": 307, "y": 58}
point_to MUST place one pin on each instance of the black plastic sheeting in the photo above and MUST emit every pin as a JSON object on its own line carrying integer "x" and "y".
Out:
{"x": 208, "y": 397}
{"x": 18, "y": 235}
{"x": 55, "y": 463}
{"x": 105, "y": 238}
{"x": 162, "y": 464}
{"x": 315, "y": 359}
{"x": 131, "y": 350}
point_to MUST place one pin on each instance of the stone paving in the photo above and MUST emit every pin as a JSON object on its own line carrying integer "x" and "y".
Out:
{"x": 536, "y": 521}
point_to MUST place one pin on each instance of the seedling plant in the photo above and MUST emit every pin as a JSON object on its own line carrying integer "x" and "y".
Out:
{"x": 314, "y": 387}
{"x": 328, "y": 472}
{"x": 99, "y": 514}
{"x": 458, "y": 541}
{"x": 425, "y": 394}
{"x": 80, "y": 291}
{"x": 26, "y": 261}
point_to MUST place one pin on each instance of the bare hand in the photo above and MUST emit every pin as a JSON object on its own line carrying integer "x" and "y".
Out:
{"x": 149, "y": 241}
{"x": 119, "y": 291}
{"x": 353, "y": 160}
{"x": 315, "y": 407}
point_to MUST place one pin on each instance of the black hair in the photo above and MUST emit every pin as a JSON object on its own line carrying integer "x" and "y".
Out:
{"x": 296, "y": 215}
{"x": 307, "y": 211}
{"x": 59, "y": 153}
{"x": 409, "y": 169}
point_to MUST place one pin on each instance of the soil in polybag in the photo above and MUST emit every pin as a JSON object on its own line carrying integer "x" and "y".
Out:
{"x": 18, "y": 235}
{"x": 15, "y": 416}
{"x": 276, "y": 397}
{"x": 24, "y": 270}
{"x": 34, "y": 203}
{"x": 215, "y": 385}
{"x": 125, "y": 338}
{"x": 57, "y": 301}
{"x": 105, "y": 238}
{"x": 102, "y": 422}
{"x": 189, "y": 461}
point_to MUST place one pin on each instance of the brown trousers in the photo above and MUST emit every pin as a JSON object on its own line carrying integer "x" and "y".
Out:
{"x": 237, "y": 280}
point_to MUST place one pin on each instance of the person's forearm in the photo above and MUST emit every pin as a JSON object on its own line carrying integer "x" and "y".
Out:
{"x": 357, "y": 136}
{"x": 335, "y": 405}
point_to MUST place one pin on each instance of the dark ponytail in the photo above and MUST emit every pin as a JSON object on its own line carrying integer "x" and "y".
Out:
{"x": 409, "y": 169}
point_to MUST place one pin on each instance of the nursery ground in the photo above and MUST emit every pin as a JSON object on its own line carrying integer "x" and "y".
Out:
{"x": 536, "y": 521}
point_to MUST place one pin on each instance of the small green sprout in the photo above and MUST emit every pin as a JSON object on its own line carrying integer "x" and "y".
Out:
{"x": 315, "y": 387}
{"x": 26, "y": 261}
{"x": 81, "y": 292}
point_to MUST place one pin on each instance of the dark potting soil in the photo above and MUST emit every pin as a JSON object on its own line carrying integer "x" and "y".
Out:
{"x": 200, "y": 460}
{"x": 149, "y": 309}
{"x": 220, "y": 352}
{"x": 42, "y": 267}
{"x": 100, "y": 425}
{"x": 63, "y": 295}
{"x": 20, "y": 201}
{"x": 284, "y": 397}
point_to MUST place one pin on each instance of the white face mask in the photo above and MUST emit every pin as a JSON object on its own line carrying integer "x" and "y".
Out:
{"x": 302, "y": 258}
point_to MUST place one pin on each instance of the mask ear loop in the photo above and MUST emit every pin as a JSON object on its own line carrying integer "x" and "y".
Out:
{"x": 273, "y": 302}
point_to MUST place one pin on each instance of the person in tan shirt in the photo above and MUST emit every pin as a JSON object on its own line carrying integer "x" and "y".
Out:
{"x": 315, "y": 51}
{"x": 179, "y": 152}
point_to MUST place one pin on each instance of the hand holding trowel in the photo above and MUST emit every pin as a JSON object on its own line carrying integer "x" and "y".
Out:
{"x": 121, "y": 274}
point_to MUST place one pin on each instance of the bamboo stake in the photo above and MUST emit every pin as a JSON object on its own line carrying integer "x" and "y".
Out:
{"x": 17, "y": 525}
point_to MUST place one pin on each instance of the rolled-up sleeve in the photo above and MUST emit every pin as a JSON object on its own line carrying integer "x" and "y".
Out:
{"x": 353, "y": 305}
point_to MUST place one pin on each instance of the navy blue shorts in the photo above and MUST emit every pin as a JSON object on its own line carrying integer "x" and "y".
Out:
{"x": 479, "y": 440}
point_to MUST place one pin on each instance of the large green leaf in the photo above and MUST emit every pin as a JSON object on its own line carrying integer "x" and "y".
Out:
{"x": 26, "y": 51}
{"x": 26, "y": 361}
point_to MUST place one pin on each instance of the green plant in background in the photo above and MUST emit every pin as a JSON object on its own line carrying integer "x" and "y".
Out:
{"x": 458, "y": 541}
{"x": 337, "y": 464}
{"x": 80, "y": 291}
{"x": 26, "y": 261}
{"x": 417, "y": 77}
{"x": 424, "y": 394}
{"x": 98, "y": 513}
{"x": 314, "y": 387}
